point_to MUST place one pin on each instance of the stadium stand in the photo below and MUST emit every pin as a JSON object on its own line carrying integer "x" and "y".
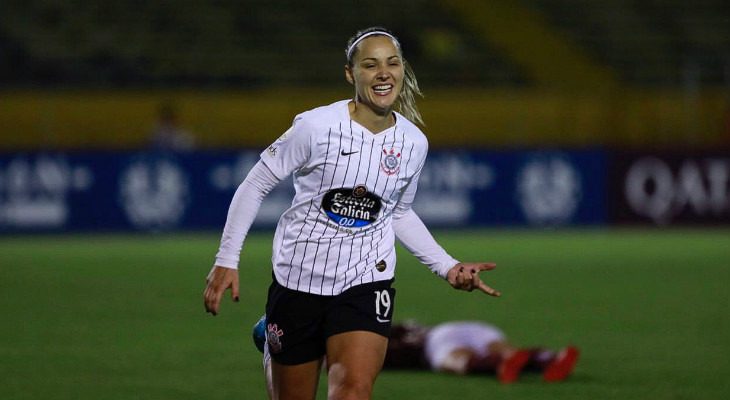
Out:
{"x": 649, "y": 42}
{"x": 82, "y": 74}
{"x": 242, "y": 44}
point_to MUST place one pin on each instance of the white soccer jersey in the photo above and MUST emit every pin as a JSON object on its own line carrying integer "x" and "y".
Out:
{"x": 338, "y": 232}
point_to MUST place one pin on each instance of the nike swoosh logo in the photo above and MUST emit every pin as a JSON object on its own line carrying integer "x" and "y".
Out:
{"x": 382, "y": 320}
{"x": 348, "y": 154}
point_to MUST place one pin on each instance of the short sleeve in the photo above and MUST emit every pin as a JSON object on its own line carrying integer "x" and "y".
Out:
{"x": 290, "y": 152}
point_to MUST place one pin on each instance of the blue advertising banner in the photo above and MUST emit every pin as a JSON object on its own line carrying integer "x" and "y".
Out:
{"x": 537, "y": 188}
{"x": 156, "y": 191}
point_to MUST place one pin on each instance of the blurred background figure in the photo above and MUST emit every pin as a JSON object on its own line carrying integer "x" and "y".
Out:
{"x": 167, "y": 134}
{"x": 473, "y": 347}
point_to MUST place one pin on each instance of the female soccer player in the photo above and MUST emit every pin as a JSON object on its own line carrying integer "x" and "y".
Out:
{"x": 355, "y": 165}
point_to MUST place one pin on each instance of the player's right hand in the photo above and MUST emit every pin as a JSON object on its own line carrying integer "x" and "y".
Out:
{"x": 219, "y": 279}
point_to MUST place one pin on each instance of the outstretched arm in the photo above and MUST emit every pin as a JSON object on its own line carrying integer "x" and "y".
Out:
{"x": 241, "y": 214}
{"x": 415, "y": 237}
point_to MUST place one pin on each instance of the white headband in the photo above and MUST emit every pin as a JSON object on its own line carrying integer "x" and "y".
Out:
{"x": 352, "y": 46}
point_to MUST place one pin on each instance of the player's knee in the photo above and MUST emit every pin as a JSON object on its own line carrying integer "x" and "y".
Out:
{"x": 348, "y": 385}
{"x": 350, "y": 390}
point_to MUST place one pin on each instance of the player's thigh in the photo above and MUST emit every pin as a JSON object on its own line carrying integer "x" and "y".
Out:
{"x": 354, "y": 360}
{"x": 295, "y": 382}
{"x": 294, "y": 331}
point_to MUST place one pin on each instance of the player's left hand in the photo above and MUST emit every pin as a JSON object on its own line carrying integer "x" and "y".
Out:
{"x": 465, "y": 276}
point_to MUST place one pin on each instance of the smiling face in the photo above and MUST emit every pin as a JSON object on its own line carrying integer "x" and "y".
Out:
{"x": 377, "y": 73}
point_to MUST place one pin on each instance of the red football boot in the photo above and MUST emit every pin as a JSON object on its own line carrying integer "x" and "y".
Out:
{"x": 509, "y": 369}
{"x": 562, "y": 366}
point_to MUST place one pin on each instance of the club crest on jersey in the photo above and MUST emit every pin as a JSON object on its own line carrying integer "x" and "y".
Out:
{"x": 391, "y": 162}
{"x": 351, "y": 207}
{"x": 273, "y": 337}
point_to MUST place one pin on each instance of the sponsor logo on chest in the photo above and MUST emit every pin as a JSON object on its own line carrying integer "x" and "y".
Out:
{"x": 352, "y": 207}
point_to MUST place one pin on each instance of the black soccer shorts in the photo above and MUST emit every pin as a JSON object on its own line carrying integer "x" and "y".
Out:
{"x": 298, "y": 324}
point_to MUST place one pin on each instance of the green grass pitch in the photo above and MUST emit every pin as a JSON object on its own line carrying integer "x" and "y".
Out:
{"x": 122, "y": 317}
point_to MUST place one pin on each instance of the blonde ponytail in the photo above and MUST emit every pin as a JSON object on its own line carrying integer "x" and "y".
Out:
{"x": 407, "y": 97}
